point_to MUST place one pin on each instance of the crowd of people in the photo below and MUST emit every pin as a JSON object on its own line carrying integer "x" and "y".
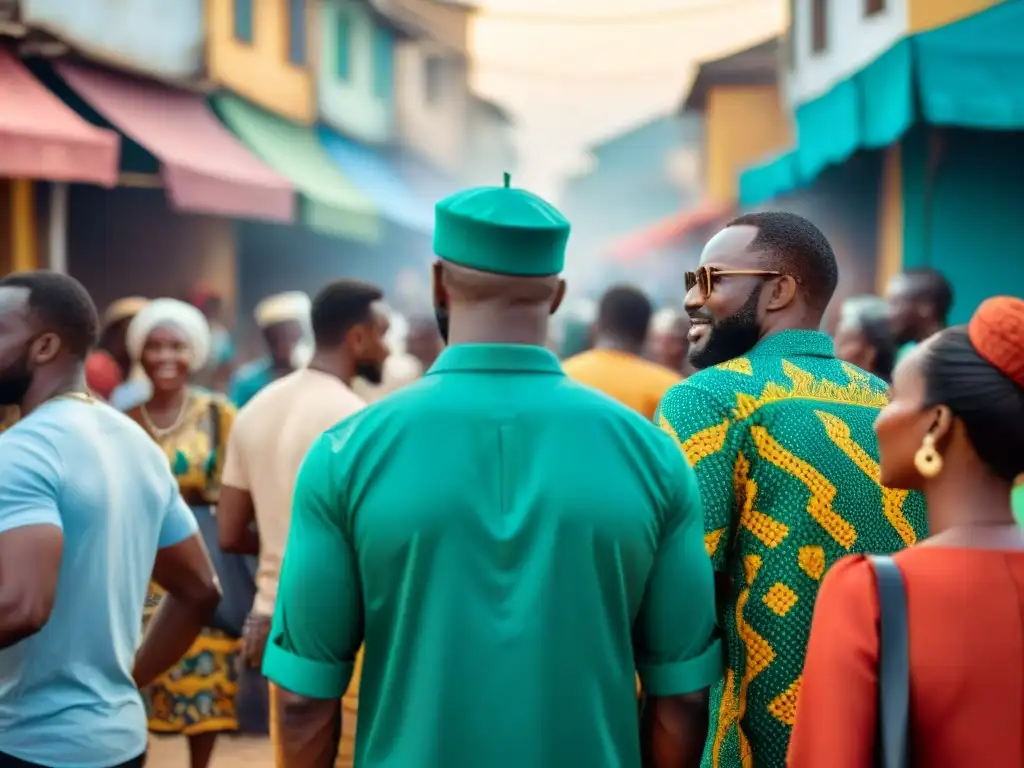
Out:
{"x": 658, "y": 541}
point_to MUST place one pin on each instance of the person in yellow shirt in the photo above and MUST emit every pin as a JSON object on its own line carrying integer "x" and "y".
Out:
{"x": 615, "y": 365}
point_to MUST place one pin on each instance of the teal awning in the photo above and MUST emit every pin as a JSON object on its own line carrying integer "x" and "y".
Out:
{"x": 869, "y": 110}
{"x": 971, "y": 74}
{"x": 773, "y": 178}
{"x": 331, "y": 202}
{"x": 968, "y": 74}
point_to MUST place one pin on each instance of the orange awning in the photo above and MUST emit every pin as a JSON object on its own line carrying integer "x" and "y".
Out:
{"x": 42, "y": 138}
{"x": 204, "y": 167}
{"x": 667, "y": 231}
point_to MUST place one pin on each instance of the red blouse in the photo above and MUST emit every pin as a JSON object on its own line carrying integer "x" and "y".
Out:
{"x": 966, "y": 621}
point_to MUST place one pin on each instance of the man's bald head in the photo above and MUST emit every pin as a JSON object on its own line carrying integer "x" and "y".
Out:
{"x": 466, "y": 285}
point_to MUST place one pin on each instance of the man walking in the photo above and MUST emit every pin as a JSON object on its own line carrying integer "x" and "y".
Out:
{"x": 283, "y": 320}
{"x": 270, "y": 438}
{"x": 88, "y": 511}
{"x": 919, "y": 302}
{"x": 616, "y": 365}
{"x": 780, "y": 434}
{"x": 510, "y": 544}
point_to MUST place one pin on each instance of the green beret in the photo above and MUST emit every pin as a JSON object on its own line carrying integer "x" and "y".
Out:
{"x": 502, "y": 230}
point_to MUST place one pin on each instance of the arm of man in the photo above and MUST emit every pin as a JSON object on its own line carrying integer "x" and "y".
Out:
{"x": 702, "y": 428}
{"x": 184, "y": 570}
{"x": 678, "y": 652}
{"x": 236, "y": 513}
{"x": 31, "y": 534}
{"x": 318, "y": 618}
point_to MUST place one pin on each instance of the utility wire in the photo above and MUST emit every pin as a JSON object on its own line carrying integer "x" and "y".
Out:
{"x": 682, "y": 13}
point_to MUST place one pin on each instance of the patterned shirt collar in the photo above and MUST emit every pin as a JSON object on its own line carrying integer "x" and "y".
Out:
{"x": 795, "y": 344}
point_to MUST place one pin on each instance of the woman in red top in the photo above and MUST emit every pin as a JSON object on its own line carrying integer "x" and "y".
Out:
{"x": 954, "y": 429}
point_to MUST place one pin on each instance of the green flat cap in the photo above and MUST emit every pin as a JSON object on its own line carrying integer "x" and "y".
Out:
{"x": 500, "y": 229}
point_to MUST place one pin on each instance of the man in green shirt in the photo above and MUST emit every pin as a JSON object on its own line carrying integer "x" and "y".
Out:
{"x": 780, "y": 435}
{"x": 510, "y": 544}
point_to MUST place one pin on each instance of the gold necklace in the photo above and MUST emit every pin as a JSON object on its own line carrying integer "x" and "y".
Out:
{"x": 82, "y": 397}
{"x": 159, "y": 432}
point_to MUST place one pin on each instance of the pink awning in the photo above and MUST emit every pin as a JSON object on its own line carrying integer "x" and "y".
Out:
{"x": 42, "y": 138}
{"x": 204, "y": 167}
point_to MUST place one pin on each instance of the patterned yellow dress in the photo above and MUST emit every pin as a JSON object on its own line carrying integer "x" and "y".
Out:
{"x": 197, "y": 695}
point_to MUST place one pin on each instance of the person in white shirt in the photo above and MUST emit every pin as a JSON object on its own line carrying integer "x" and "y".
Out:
{"x": 275, "y": 429}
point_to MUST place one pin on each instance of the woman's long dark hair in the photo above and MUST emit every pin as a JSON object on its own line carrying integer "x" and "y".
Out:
{"x": 987, "y": 401}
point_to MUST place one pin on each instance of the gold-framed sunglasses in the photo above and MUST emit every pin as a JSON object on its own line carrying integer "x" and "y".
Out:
{"x": 706, "y": 277}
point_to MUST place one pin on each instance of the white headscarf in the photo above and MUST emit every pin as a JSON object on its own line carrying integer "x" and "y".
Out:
{"x": 182, "y": 316}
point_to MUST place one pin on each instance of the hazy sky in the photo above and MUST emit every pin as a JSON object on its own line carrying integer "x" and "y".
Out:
{"x": 577, "y": 71}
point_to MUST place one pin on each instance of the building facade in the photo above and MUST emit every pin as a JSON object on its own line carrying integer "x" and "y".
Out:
{"x": 264, "y": 50}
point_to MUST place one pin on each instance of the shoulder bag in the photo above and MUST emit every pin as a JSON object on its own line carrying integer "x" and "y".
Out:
{"x": 893, "y": 667}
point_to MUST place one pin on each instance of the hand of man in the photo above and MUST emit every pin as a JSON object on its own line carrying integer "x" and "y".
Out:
{"x": 254, "y": 640}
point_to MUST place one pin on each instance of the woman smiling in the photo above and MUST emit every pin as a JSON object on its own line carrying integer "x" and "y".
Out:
{"x": 171, "y": 341}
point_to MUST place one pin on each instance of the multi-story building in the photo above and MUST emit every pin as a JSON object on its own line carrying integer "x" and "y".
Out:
{"x": 928, "y": 92}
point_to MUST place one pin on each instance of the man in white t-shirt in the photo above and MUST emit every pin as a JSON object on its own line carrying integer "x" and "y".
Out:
{"x": 271, "y": 436}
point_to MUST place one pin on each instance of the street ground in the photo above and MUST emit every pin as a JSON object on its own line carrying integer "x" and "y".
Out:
{"x": 231, "y": 752}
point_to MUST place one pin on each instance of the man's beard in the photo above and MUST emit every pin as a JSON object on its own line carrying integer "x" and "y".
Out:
{"x": 15, "y": 381}
{"x": 729, "y": 338}
{"x": 441, "y": 314}
{"x": 371, "y": 372}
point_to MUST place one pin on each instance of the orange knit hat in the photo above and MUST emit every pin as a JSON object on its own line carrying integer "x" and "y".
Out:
{"x": 997, "y": 332}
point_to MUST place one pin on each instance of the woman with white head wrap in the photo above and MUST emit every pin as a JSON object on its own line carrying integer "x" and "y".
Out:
{"x": 170, "y": 340}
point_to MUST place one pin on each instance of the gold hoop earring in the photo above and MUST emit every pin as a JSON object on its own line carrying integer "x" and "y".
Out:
{"x": 927, "y": 460}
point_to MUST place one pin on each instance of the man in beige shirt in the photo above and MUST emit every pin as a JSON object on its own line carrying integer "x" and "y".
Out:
{"x": 269, "y": 440}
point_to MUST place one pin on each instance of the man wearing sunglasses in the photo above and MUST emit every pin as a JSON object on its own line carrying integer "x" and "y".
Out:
{"x": 779, "y": 433}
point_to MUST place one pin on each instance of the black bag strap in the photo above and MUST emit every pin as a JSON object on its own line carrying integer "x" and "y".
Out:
{"x": 893, "y": 666}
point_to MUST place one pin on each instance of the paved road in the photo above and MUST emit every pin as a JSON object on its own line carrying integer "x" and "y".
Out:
{"x": 239, "y": 752}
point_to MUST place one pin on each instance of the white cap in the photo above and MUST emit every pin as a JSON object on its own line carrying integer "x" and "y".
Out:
{"x": 282, "y": 308}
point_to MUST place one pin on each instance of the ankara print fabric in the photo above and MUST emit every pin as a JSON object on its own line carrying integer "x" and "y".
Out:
{"x": 786, "y": 459}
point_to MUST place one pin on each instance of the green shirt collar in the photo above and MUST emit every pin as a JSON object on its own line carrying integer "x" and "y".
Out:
{"x": 796, "y": 344}
{"x": 496, "y": 358}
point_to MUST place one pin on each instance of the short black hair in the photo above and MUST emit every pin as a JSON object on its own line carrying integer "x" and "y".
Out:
{"x": 62, "y": 305}
{"x": 625, "y": 312}
{"x": 797, "y": 248}
{"x": 986, "y": 400}
{"x": 338, "y": 306}
{"x": 878, "y": 333}
{"x": 931, "y": 286}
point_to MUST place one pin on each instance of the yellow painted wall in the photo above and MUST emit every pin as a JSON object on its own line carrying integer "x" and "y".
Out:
{"x": 929, "y": 14}
{"x": 890, "y": 220}
{"x": 20, "y": 250}
{"x": 261, "y": 71}
{"x": 743, "y": 125}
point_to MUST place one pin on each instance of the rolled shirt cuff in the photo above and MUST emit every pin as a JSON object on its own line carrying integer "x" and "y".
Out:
{"x": 680, "y": 677}
{"x": 315, "y": 679}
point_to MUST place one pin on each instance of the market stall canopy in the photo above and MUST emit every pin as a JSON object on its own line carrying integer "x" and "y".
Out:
{"x": 965, "y": 75}
{"x": 373, "y": 176}
{"x": 668, "y": 231}
{"x": 333, "y": 204}
{"x": 42, "y": 138}
{"x": 204, "y": 168}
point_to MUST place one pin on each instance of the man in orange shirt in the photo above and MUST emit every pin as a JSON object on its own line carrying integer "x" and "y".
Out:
{"x": 616, "y": 365}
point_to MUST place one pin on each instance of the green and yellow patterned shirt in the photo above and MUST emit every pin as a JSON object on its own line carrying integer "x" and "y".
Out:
{"x": 787, "y": 462}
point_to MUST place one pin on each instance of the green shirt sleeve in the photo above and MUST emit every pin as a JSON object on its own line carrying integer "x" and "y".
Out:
{"x": 702, "y": 428}
{"x": 675, "y": 635}
{"x": 318, "y": 617}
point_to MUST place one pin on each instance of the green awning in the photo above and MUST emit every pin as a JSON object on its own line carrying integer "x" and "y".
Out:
{"x": 971, "y": 73}
{"x": 331, "y": 203}
{"x": 773, "y": 178}
{"x": 871, "y": 109}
